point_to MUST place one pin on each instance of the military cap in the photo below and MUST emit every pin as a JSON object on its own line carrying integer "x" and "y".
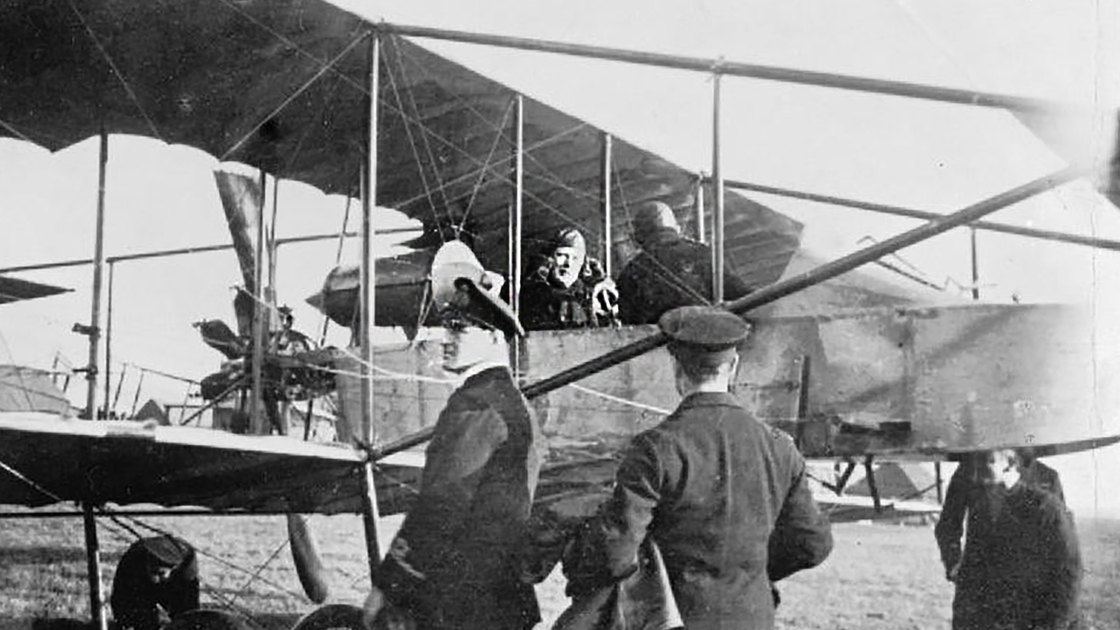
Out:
{"x": 165, "y": 550}
{"x": 703, "y": 335}
{"x": 477, "y": 304}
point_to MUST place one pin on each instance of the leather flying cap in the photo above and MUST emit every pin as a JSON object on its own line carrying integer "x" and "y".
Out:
{"x": 652, "y": 218}
{"x": 474, "y": 304}
{"x": 569, "y": 237}
{"x": 703, "y": 335}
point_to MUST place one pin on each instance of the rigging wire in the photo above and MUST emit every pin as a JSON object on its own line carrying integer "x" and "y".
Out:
{"x": 498, "y": 137}
{"x": 303, "y": 88}
{"x": 116, "y": 71}
{"x": 416, "y": 156}
{"x": 548, "y": 174}
{"x": 423, "y": 136}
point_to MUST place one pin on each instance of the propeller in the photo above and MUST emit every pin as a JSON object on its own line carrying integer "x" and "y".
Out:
{"x": 242, "y": 201}
{"x": 305, "y": 555}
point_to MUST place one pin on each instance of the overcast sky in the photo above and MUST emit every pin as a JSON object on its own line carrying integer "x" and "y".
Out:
{"x": 890, "y": 150}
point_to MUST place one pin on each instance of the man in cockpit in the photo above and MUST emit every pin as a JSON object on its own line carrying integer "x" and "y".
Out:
{"x": 565, "y": 288}
{"x": 670, "y": 271}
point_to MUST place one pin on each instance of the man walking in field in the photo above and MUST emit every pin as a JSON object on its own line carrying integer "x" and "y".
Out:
{"x": 1021, "y": 565}
{"x": 722, "y": 495}
{"x": 455, "y": 563}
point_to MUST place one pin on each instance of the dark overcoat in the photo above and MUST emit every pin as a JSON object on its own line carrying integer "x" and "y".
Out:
{"x": 1021, "y": 565}
{"x": 136, "y": 601}
{"x": 963, "y": 490}
{"x": 669, "y": 272}
{"x": 456, "y": 560}
{"x": 725, "y": 498}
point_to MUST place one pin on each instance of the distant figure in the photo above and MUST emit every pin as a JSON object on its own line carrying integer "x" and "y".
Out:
{"x": 288, "y": 341}
{"x": 156, "y": 580}
{"x": 282, "y": 381}
{"x": 966, "y": 486}
{"x": 724, "y": 497}
{"x": 1021, "y": 565}
{"x": 670, "y": 271}
{"x": 565, "y": 288}
{"x": 455, "y": 562}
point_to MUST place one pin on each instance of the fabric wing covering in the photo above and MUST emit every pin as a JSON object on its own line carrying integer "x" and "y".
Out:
{"x": 45, "y": 460}
{"x": 281, "y": 86}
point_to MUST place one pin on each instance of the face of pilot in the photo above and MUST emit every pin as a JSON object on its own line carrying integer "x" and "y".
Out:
{"x": 998, "y": 468}
{"x": 159, "y": 574}
{"x": 465, "y": 346}
{"x": 567, "y": 262}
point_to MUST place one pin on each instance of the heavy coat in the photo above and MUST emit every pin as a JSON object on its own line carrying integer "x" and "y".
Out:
{"x": 962, "y": 491}
{"x": 548, "y": 305}
{"x": 136, "y": 600}
{"x": 1021, "y": 566}
{"x": 456, "y": 560}
{"x": 725, "y": 498}
{"x": 670, "y": 271}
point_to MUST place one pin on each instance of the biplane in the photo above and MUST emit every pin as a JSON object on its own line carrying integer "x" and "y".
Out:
{"x": 852, "y": 363}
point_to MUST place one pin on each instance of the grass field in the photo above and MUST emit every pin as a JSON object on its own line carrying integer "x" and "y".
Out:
{"x": 879, "y": 576}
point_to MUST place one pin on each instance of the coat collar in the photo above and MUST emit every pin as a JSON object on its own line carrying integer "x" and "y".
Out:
{"x": 709, "y": 399}
{"x": 483, "y": 371}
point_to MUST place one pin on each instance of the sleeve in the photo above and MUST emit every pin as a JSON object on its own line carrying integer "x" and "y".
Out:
{"x": 802, "y": 536}
{"x": 950, "y": 527}
{"x": 631, "y": 296}
{"x": 629, "y": 512}
{"x": 733, "y": 286}
{"x": 463, "y": 442}
{"x": 1056, "y": 486}
{"x": 1057, "y": 607}
{"x": 182, "y": 592}
{"x": 133, "y": 603}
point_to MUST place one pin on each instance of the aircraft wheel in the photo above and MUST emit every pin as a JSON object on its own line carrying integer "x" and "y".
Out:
{"x": 205, "y": 619}
{"x": 347, "y": 617}
{"x": 332, "y": 617}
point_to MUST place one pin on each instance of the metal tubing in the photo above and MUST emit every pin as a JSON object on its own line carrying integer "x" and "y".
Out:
{"x": 259, "y": 327}
{"x": 608, "y": 159}
{"x": 195, "y": 250}
{"x": 136, "y": 396}
{"x": 701, "y": 235}
{"x": 370, "y": 514}
{"x": 98, "y": 266}
{"x": 717, "y": 196}
{"x": 975, "y": 265}
{"x": 109, "y": 338}
{"x": 781, "y": 289}
{"x": 752, "y": 71}
{"x": 990, "y": 226}
{"x": 93, "y": 569}
{"x": 518, "y": 200}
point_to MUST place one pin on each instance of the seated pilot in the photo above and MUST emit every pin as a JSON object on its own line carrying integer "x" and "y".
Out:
{"x": 564, "y": 288}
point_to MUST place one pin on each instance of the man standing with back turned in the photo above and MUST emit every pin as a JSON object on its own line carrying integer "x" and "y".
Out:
{"x": 723, "y": 495}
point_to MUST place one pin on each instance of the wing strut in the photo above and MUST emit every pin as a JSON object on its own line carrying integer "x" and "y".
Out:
{"x": 783, "y": 288}
{"x": 369, "y": 201}
{"x": 93, "y": 567}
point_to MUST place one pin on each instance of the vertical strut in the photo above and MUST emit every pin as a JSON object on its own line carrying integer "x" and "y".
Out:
{"x": 369, "y": 201}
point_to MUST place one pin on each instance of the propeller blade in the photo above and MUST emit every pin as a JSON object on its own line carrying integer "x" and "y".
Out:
{"x": 1084, "y": 138}
{"x": 305, "y": 555}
